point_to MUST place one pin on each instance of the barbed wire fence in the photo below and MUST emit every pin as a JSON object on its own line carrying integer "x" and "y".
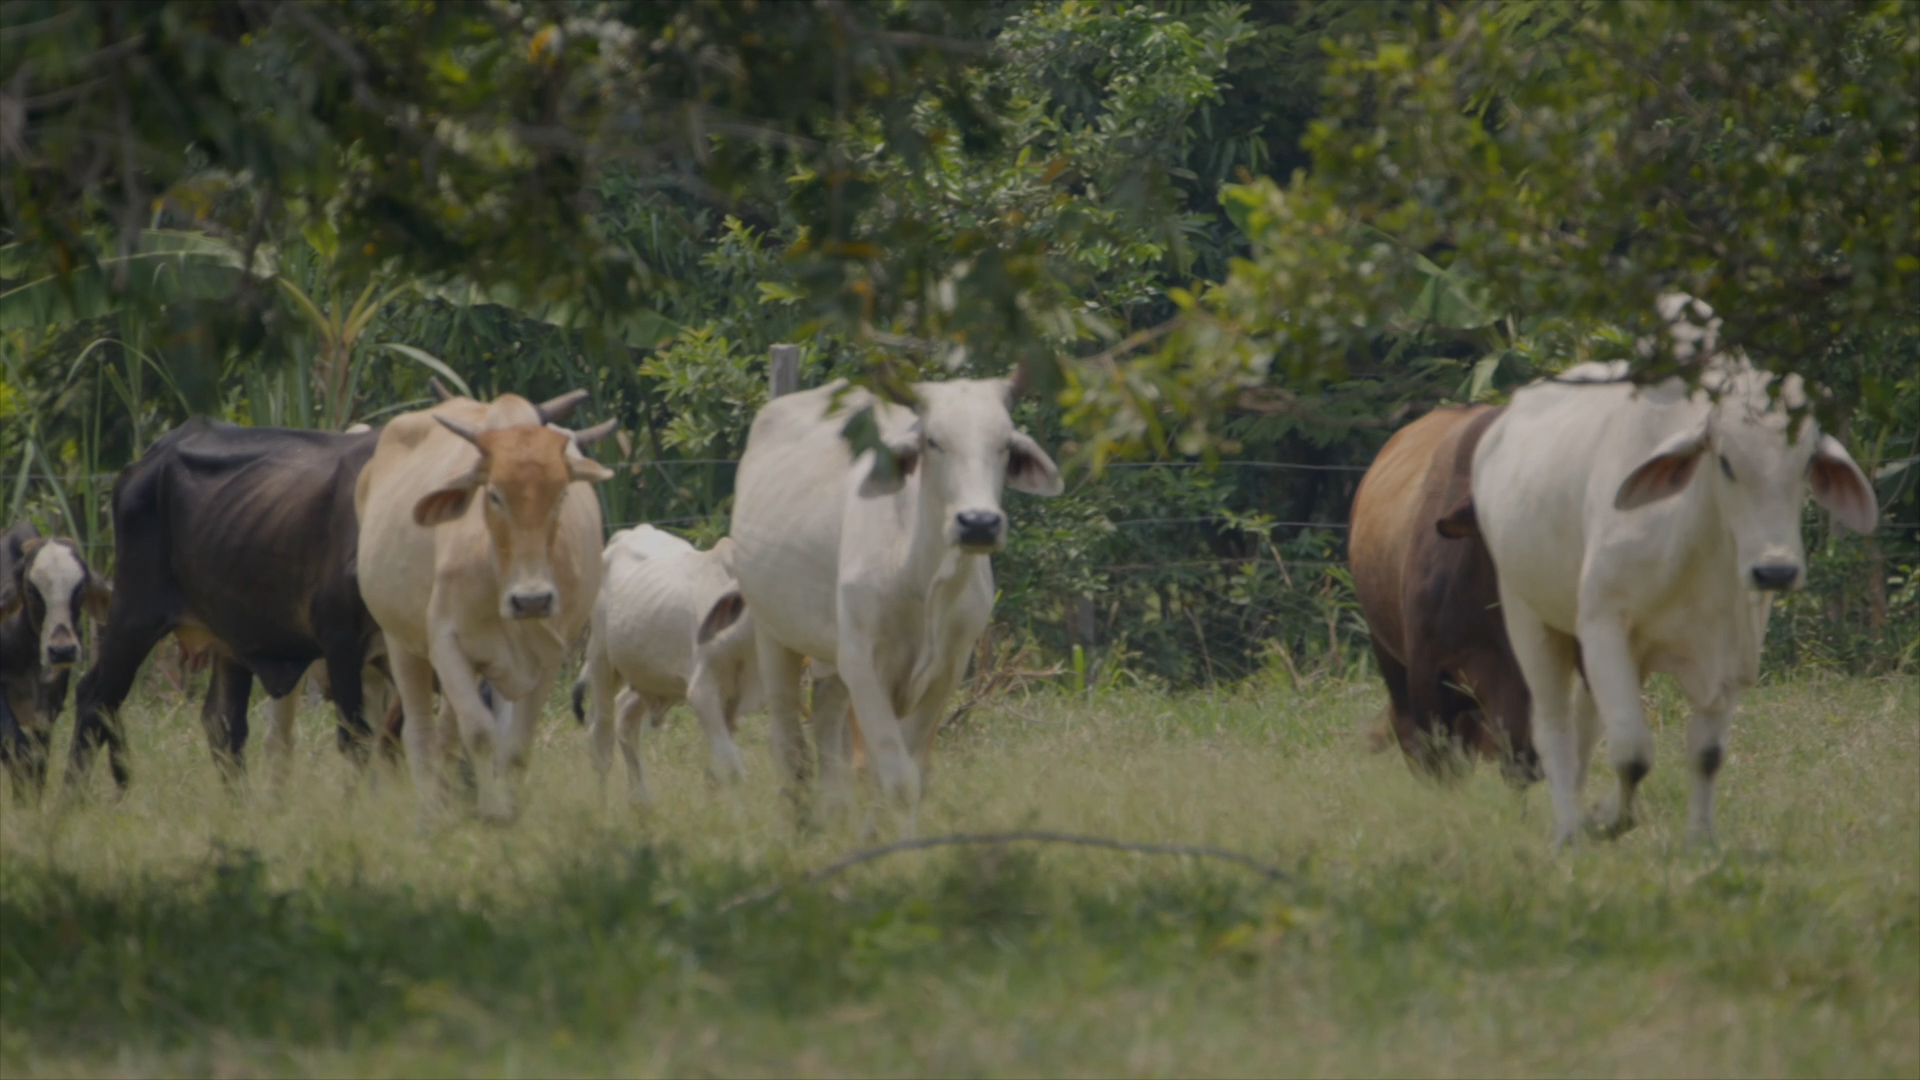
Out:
{"x": 1183, "y": 600}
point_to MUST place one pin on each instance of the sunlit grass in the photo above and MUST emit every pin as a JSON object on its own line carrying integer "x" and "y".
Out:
{"x": 1426, "y": 930}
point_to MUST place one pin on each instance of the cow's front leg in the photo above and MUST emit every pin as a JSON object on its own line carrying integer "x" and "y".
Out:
{"x": 479, "y": 733}
{"x": 23, "y": 743}
{"x": 413, "y": 678}
{"x": 1614, "y": 678}
{"x": 833, "y": 732}
{"x": 887, "y": 752}
{"x": 515, "y": 722}
{"x": 931, "y": 711}
{"x": 1706, "y": 752}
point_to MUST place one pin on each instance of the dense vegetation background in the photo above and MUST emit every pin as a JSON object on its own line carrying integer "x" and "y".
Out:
{"x": 1235, "y": 245}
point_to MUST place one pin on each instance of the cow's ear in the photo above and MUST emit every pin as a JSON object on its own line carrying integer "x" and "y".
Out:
{"x": 98, "y": 598}
{"x": 1458, "y": 523}
{"x": 725, "y": 612}
{"x": 449, "y": 503}
{"x": 586, "y": 469}
{"x": 1666, "y": 471}
{"x": 1840, "y": 486}
{"x": 893, "y": 461}
{"x": 1029, "y": 469}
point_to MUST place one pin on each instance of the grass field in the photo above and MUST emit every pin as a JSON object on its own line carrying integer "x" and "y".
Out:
{"x": 1423, "y": 930}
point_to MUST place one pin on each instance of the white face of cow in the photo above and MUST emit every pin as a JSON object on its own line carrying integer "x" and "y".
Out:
{"x": 1757, "y": 479}
{"x": 965, "y": 442}
{"x": 55, "y": 586}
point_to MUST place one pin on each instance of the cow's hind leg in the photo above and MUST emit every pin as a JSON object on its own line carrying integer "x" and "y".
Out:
{"x": 632, "y": 712}
{"x": 602, "y": 683}
{"x": 1545, "y": 657}
{"x": 346, "y": 674}
{"x": 715, "y": 699}
{"x": 224, "y": 716}
{"x": 1505, "y": 717}
{"x": 780, "y": 676}
{"x": 277, "y": 745}
{"x": 931, "y": 711}
{"x": 1586, "y": 729}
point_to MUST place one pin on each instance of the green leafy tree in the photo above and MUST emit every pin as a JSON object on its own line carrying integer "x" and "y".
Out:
{"x": 1559, "y": 166}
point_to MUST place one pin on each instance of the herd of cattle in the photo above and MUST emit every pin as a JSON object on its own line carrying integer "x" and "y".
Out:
{"x": 1592, "y": 528}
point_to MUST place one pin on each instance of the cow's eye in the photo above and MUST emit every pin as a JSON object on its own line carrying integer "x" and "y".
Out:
{"x": 1726, "y": 467}
{"x": 934, "y": 444}
{"x": 493, "y": 496}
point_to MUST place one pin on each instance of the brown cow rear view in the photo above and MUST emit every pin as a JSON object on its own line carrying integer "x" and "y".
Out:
{"x": 1426, "y": 585}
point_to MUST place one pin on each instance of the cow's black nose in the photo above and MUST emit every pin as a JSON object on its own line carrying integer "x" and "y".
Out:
{"x": 531, "y": 605}
{"x": 1774, "y": 577}
{"x": 62, "y": 654}
{"x": 978, "y": 526}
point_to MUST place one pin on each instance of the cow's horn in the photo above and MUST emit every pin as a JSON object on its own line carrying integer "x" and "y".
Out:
{"x": 440, "y": 391}
{"x": 559, "y": 407}
{"x": 460, "y": 429}
{"x": 589, "y": 436}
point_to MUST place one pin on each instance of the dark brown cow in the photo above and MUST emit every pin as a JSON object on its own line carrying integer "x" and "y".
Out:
{"x": 1426, "y": 585}
{"x": 241, "y": 542}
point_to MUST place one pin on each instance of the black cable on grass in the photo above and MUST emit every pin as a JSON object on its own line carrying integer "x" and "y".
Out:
{"x": 1271, "y": 873}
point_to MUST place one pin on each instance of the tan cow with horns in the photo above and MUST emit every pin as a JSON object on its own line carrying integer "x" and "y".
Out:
{"x": 492, "y": 587}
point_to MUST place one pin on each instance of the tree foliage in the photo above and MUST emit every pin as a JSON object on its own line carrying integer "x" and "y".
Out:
{"x": 1559, "y": 166}
{"x": 1269, "y": 231}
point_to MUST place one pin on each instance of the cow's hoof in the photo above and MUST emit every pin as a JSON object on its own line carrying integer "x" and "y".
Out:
{"x": 1565, "y": 838}
{"x": 1610, "y": 825}
{"x": 726, "y": 772}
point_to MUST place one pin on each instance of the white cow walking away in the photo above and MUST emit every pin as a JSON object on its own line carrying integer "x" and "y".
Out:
{"x": 882, "y": 572}
{"x": 656, "y": 590}
{"x": 1649, "y": 526}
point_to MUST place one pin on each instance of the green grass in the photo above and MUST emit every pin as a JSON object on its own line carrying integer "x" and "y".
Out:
{"x": 1426, "y": 930}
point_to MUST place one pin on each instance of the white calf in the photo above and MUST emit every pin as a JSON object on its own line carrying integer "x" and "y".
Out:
{"x": 657, "y": 590}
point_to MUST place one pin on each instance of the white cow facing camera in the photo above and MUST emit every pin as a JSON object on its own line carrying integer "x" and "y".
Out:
{"x": 1649, "y": 526}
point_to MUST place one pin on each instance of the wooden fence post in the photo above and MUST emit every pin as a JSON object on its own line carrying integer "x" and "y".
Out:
{"x": 783, "y": 370}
